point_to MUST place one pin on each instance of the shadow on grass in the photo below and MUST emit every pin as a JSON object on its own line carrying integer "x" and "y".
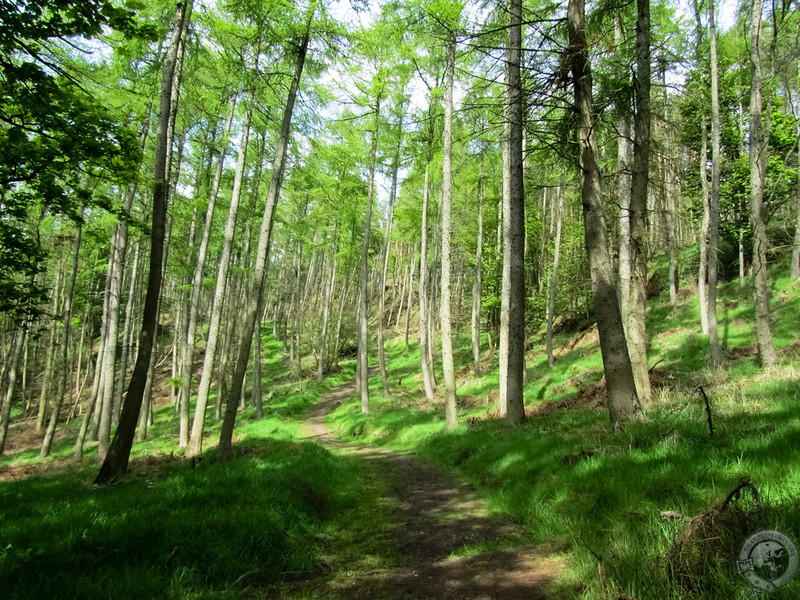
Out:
{"x": 170, "y": 529}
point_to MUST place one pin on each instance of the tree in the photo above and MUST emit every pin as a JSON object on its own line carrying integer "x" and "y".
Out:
{"x": 623, "y": 403}
{"x": 514, "y": 231}
{"x": 758, "y": 167}
{"x": 116, "y": 461}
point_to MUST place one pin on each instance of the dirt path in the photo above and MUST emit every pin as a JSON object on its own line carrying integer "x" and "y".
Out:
{"x": 433, "y": 517}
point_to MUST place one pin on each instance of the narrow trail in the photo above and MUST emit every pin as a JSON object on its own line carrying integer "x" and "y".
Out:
{"x": 434, "y": 516}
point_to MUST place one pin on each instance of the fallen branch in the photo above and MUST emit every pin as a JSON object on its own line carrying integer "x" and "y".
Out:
{"x": 708, "y": 411}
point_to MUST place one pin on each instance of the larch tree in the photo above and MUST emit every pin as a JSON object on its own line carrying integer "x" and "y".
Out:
{"x": 758, "y": 167}
{"x": 116, "y": 460}
{"x": 623, "y": 403}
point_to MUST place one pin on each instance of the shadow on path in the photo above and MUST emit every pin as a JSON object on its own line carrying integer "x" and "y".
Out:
{"x": 434, "y": 517}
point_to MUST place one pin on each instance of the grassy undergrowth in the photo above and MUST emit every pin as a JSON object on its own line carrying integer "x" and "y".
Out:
{"x": 573, "y": 480}
{"x": 281, "y": 510}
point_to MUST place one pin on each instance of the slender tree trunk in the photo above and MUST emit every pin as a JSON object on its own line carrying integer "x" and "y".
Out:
{"x": 551, "y": 289}
{"x": 187, "y": 356}
{"x": 116, "y": 460}
{"x": 505, "y": 289}
{"x": 451, "y": 417}
{"x": 713, "y": 208}
{"x": 636, "y": 333}
{"x": 477, "y": 283}
{"x": 194, "y": 443}
{"x": 424, "y": 341}
{"x": 66, "y": 318}
{"x": 13, "y": 373}
{"x": 363, "y": 292}
{"x": 326, "y": 308}
{"x": 623, "y": 403}
{"x": 384, "y": 272}
{"x": 262, "y": 252}
{"x": 50, "y": 357}
{"x": 515, "y": 409}
{"x": 624, "y": 194}
{"x": 412, "y": 269}
{"x": 758, "y": 166}
{"x": 702, "y": 279}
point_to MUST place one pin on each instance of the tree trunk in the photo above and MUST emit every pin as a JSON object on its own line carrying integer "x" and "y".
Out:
{"x": 623, "y": 403}
{"x": 636, "y": 333}
{"x": 384, "y": 272}
{"x": 116, "y": 460}
{"x": 424, "y": 341}
{"x": 194, "y": 444}
{"x": 66, "y": 318}
{"x": 713, "y": 208}
{"x": 363, "y": 292}
{"x": 50, "y": 357}
{"x": 624, "y": 197}
{"x": 516, "y": 217}
{"x": 551, "y": 291}
{"x": 326, "y": 308}
{"x": 758, "y": 168}
{"x": 451, "y": 417}
{"x": 477, "y": 283}
{"x": 702, "y": 278}
{"x": 262, "y": 252}
{"x": 187, "y": 356}
{"x": 13, "y": 373}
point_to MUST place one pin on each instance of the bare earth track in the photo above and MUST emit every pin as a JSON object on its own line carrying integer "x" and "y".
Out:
{"x": 434, "y": 516}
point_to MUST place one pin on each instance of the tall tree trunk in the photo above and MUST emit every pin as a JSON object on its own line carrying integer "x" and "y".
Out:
{"x": 412, "y": 268}
{"x": 553, "y": 285}
{"x": 713, "y": 208}
{"x": 194, "y": 443}
{"x": 187, "y": 356}
{"x": 66, "y": 318}
{"x": 702, "y": 278}
{"x": 116, "y": 460}
{"x": 50, "y": 357}
{"x": 515, "y": 409}
{"x": 424, "y": 341}
{"x": 326, "y": 308}
{"x": 636, "y": 333}
{"x": 505, "y": 287}
{"x": 451, "y": 417}
{"x": 262, "y": 252}
{"x": 363, "y": 291}
{"x": 624, "y": 195}
{"x": 623, "y": 403}
{"x": 385, "y": 270}
{"x": 13, "y": 373}
{"x": 758, "y": 166}
{"x": 477, "y": 283}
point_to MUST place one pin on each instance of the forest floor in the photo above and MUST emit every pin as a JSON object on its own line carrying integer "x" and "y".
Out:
{"x": 448, "y": 544}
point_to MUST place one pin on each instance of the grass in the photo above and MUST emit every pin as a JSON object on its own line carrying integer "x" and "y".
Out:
{"x": 577, "y": 483}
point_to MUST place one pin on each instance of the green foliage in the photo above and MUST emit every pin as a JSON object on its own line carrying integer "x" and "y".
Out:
{"x": 57, "y": 140}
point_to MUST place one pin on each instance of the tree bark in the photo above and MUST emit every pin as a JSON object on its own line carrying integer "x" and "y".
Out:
{"x": 758, "y": 166}
{"x": 187, "y": 356}
{"x": 116, "y": 460}
{"x": 385, "y": 270}
{"x": 713, "y": 208}
{"x": 553, "y": 285}
{"x": 623, "y": 403}
{"x": 66, "y": 318}
{"x": 635, "y": 331}
{"x": 194, "y": 443}
{"x": 326, "y": 308}
{"x": 13, "y": 374}
{"x": 363, "y": 292}
{"x": 451, "y": 417}
{"x": 424, "y": 341}
{"x": 477, "y": 283}
{"x": 515, "y": 409}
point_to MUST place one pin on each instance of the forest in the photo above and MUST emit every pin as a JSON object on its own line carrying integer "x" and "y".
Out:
{"x": 410, "y": 299}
